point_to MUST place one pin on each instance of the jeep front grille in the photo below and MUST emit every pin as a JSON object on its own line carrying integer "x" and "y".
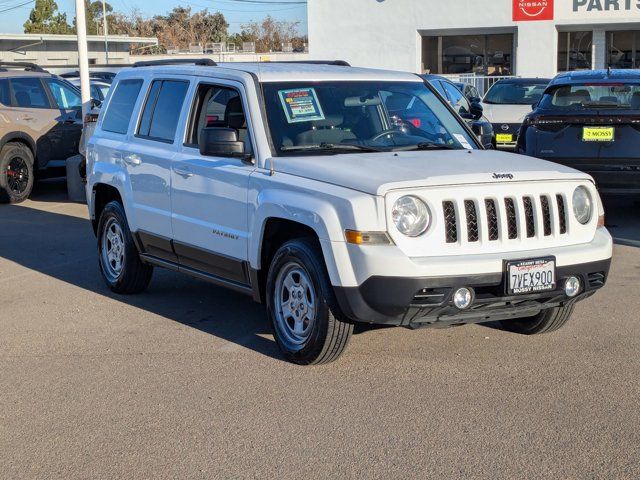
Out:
{"x": 510, "y": 218}
{"x": 450, "y": 222}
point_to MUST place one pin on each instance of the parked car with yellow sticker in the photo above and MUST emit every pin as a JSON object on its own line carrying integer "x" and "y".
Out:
{"x": 590, "y": 121}
{"x": 507, "y": 103}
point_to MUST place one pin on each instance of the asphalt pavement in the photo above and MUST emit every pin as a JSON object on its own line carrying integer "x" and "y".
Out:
{"x": 185, "y": 381}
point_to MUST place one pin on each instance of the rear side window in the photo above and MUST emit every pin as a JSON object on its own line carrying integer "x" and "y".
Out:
{"x": 29, "y": 93}
{"x": 5, "y": 92}
{"x": 120, "y": 108}
{"x": 162, "y": 110}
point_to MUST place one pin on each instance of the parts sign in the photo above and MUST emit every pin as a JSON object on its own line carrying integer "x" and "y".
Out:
{"x": 530, "y": 10}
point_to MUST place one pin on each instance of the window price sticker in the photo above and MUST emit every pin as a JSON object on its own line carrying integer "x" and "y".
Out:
{"x": 301, "y": 105}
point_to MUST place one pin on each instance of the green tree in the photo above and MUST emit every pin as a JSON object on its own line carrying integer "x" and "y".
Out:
{"x": 93, "y": 12}
{"x": 45, "y": 18}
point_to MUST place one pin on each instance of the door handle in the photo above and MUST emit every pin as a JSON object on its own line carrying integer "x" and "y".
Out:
{"x": 132, "y": 160}
{"x": 183, "y": 172}
{"x": 28, "y": 118}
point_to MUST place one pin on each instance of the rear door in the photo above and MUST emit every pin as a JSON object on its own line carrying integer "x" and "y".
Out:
{"x": 33, "y": 113}
{"x": 148, "y": 155}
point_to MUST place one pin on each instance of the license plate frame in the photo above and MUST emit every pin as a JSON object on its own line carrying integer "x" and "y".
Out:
{"x": 538, "y": 264}
{"x": 598, "y": 134}
{"x": 504, "y": 138}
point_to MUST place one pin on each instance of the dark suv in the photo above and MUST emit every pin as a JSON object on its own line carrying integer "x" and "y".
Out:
{"x": 41, "y": 128}
{"x": 590, "y": 121}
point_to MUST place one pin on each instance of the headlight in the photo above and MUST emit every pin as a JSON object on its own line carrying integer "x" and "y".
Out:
{"x": 582, "y": 205}
{"x": 411, "y": 216}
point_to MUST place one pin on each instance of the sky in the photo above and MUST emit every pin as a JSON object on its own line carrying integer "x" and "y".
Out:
{"x": 236, "y": 12}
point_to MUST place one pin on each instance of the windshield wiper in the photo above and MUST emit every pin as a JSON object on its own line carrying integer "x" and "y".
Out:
{"x": 330, "y": 147}
{"x": 426, "y": 146}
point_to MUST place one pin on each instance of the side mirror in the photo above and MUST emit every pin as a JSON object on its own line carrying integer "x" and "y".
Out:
{"x": 476, "y": 110}
{"x": 222, "y": 142}
{"x": 475, "y": 100}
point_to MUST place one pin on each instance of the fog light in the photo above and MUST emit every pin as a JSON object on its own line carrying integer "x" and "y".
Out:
{"x": 572, "y": 286}
{"x": 462, "y": 298}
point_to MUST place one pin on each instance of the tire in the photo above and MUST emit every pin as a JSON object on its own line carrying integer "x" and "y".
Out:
{"x": 16, "y": 173}
{"x": 546, "y": 321}
{"x": 322, "y": 332}
{"x": 118, "y": 257}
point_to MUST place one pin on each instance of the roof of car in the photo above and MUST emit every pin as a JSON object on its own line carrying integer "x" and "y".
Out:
{"x": 23, "y": 73}
{"x": 282, "y": 72}
{"x": 523, "y": 81}
{"x": 581, "y": 76}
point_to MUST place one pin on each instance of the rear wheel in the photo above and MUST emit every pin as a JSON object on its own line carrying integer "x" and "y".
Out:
{"x": 546, "y": 321}
{"x": 307, "y": 323}
{"x": 120, "y": 263}
{"x": 16, "y": 173}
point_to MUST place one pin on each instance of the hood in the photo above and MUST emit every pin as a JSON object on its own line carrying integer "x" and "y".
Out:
{"x": 377, "y": 173}
{"x": 505, "y": 113}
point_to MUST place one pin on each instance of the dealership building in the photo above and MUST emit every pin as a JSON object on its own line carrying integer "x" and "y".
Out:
{"x": 483, "y": 37}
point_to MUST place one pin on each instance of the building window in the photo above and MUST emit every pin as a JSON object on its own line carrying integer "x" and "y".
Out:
{"x": 479, "y": 54}
{"x": 574, "y": 51}
{"x": 623, "y": 49}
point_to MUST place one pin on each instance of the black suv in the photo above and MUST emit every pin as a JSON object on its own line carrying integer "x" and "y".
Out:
{"x": 590, "y": 121}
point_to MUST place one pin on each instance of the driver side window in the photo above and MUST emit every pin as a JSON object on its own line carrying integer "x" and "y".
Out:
{"x": 457, "y": 100}
{"x": 65, "y": 96}
{"x": 218, "y": 106}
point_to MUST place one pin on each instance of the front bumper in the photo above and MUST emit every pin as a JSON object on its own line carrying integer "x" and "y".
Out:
{"x": 426, "y": 301}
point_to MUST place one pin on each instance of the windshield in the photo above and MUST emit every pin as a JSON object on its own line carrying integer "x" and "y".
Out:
{"x": 316, "y": 117}
{"x": 593, "y": 96}
{"x": 510, "y": 93}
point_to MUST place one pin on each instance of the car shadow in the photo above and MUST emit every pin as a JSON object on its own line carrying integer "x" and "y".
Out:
{"x": 63, "y": 247}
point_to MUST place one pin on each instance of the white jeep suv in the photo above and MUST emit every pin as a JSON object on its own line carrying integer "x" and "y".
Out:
{"x": 335, "y": 195}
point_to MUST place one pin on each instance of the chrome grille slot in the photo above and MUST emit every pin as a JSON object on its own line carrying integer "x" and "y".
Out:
{"x": 562, "y": 214}
{"x": 546, "y": 215}
{"x": 529, "y": 220}
{"x": 512, "y": 222}
{"x": 472, "y": 220}
{"x": 450, "y": 222}
{"x": 492, "y": 219}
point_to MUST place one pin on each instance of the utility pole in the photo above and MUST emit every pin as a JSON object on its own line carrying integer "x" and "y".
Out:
{"x": 104, "y": 30}
{"x": 83, "y": 56}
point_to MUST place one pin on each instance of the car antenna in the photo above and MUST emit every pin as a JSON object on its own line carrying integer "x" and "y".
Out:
{"x": 272, "y": 169}
{"x": 609, "y": 71}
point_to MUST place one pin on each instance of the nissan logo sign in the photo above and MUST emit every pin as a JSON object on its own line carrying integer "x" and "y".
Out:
{"x": 527, "y": 10}
{"x": 505, "y": 127}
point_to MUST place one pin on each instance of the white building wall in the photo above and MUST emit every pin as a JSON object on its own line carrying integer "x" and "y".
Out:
{"x": 386, "y": 33}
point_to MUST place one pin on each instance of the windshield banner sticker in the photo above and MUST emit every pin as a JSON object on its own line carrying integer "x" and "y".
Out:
{"x": 463, "y": 141}
{"x": 301, "y": 105}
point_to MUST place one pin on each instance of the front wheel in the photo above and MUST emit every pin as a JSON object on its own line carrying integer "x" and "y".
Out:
{"x": 16, "y": 173}
{"x": 307, "y": 323}
{"x": 545, "y": 321}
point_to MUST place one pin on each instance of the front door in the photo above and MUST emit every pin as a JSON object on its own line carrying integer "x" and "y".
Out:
{"x": 69, "y": 120}
{"x": 209, "y": 194}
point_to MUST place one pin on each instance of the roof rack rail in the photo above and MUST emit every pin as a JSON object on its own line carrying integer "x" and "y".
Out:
{"x": 205, "y": 62}
{"x": 338, "y": 63}
{"x": 28, "y": 66}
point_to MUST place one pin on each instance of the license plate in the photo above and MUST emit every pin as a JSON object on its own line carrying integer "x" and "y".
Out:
{"x": 504, "y": 138}
{"x": 598, "y": 134}
{"x": 531, "y": 276}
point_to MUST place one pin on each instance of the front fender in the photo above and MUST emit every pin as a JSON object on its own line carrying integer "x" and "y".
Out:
{"x": 313, "y": 212}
